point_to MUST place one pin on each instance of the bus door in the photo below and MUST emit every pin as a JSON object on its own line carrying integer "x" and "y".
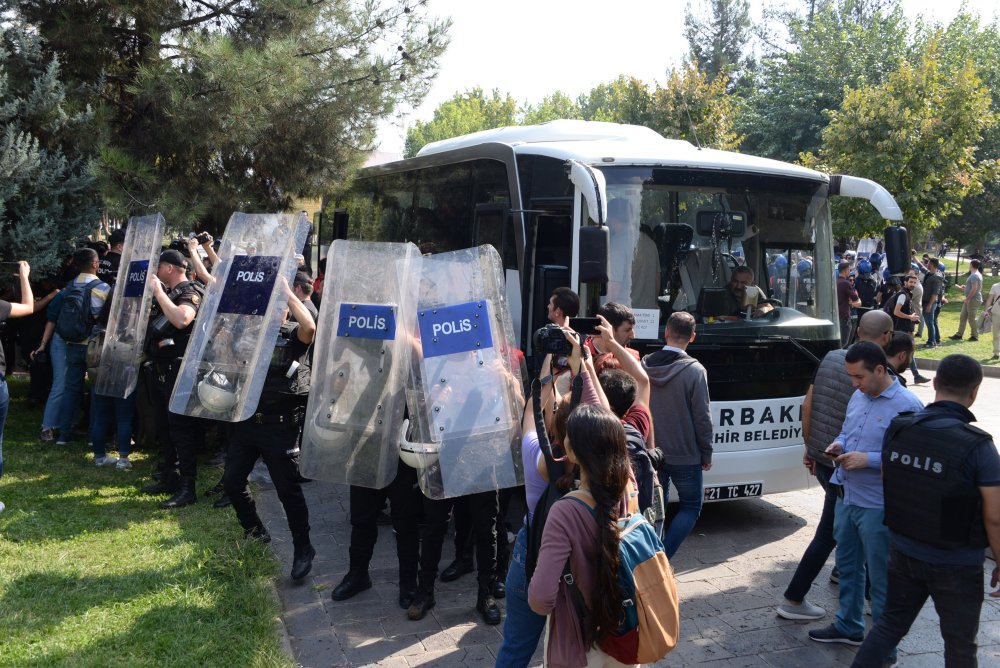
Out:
{"x": 548, "y": 255}
{"x": 494, "y": 225}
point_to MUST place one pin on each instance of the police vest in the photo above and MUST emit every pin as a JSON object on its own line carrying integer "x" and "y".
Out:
{"x": 289, "y": 372}
{"x": 926, "y": 496}
{"x": 163, "y": 340}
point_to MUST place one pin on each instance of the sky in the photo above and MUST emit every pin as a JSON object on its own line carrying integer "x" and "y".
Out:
{"x": 531, "y": 48}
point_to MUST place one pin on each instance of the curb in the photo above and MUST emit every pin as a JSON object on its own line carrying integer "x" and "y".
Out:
{"x": 932, "y": 365}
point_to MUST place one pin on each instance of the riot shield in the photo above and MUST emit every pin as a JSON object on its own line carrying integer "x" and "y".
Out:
{"x": 360, "y": 364}
{"x": 126, "y": 331}
{"x": 226, "y": 362}
{"x": 464, "y": 393}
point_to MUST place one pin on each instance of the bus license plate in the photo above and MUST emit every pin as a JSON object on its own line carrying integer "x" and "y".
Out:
{"x": 737, "y": 491}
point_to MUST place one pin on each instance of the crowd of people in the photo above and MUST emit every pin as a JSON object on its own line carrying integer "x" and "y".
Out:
{"x": 907, "y": 516}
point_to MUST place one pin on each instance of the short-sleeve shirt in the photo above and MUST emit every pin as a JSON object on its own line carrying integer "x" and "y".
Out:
{"x": 974, "y": 286}
{"x": 107, "y": 269}
{"x": 638, "y": 416}
{"x": 5, "y": 308}
{"x": 845, "y": 295}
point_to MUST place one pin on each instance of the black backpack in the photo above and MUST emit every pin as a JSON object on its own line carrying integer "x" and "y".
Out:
{"x": 76, "y": 321}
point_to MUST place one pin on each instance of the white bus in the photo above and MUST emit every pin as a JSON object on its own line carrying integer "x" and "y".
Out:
{"x": 679, "y": 219}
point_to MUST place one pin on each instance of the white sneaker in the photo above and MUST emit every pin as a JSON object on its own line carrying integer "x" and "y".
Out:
{"x": 803, "y": 610}
{"x": 123, "y": 464}
{"x": 106, "y": 460}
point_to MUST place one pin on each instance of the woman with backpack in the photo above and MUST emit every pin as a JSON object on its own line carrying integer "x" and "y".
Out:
{"x": 582, "y": 535}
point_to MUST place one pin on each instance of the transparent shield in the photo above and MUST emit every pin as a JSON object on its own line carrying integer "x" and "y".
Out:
{"x": 465, "y": 388}
{"x": 360, "y": 364}
{"x": 118, "y": 373}
{"x": 223, "y": 371}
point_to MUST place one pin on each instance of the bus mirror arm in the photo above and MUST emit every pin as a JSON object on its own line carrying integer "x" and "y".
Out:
{"x": 853, "y": 186}
{"x": 590, "y": 182}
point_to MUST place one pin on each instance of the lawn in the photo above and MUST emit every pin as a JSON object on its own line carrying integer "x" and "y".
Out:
{"x": 981, "y": 350}
{"x": 92, "y": 573}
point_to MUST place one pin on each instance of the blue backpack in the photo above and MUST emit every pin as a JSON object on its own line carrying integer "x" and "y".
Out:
{"x": 650, "y": 624}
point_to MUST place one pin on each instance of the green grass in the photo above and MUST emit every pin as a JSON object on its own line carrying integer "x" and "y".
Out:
{"x": 982, "y": 349}
{"x": 92, "y": 573}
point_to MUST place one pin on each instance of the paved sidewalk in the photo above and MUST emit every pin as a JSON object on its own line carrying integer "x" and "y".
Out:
{"x": 731, "y": 573}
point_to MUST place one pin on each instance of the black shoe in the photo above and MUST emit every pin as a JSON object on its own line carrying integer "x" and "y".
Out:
{"x": 455, "y": 570}
{"x": 257, "y": 533}
{"x": 421, "y": 604}
{"x": 185, "y": 496}
{"x": 488, "y": 608}
{"x": 351, "y": 585}
{"x": 222, "y": 502}
{"x": 955, "y": 337}
{"x": 499, "y": 589}
{"x": 920, "y": 380}
{"x": 302, "y": 562}
{"x": 407, "y": 597}
{"x": 164, "y": 486}
{"x": 973, "y": 338}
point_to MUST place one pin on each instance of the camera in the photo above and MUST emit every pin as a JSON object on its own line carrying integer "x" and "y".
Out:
{"x": 203, "y": 238}
{"x": 550, "y": 339}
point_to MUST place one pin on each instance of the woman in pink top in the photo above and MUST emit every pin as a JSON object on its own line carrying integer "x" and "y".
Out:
{"x": 582, "y": 527}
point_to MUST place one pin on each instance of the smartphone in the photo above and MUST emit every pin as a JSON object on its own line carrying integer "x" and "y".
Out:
{"x": 10, "y": 268}
{"x": 586, "y": 326}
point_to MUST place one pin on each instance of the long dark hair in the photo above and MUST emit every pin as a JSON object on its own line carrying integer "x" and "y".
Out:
{"x": 597, "y": 440}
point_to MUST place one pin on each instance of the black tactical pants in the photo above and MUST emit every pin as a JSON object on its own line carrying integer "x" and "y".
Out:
{"x": 406, "y": 509}
{"x": 483, "y": 508}
{"x": 183, "y": 433}
{"x": 278, "y": 446}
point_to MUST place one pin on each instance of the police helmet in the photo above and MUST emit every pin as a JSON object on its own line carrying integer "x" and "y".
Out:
{"x": 216, "y": 392}
{"x": 864, "y": 267}
{"x": 416, "y": 455}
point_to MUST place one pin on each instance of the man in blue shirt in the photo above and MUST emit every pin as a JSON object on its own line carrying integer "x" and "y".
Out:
{"x": 942, "y": 504}
{"x": 858, "y": 516}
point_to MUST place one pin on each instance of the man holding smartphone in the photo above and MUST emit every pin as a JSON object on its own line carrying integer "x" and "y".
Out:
{"x": 9, "y": 310}
{"x": 858, "y": 525}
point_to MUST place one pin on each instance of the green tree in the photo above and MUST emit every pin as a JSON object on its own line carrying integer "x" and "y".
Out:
{"x": 691, "y": 106}
{"x": 552, "y": 107}
{"x": 916, "y": 134}
{"x": 624, "y": 100}
{"x": 466, "y": 112}
{"x": 47, "y": 195}
{"x": 221, "y": 105}
{"x": 836, "y": 46}
{"x": 718, "y": 35}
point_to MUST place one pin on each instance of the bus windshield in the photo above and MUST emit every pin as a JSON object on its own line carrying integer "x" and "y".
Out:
{"x": 675, "y": 233}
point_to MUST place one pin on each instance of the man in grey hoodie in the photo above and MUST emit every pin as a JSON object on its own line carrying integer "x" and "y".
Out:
{"x": 680, "y": 407}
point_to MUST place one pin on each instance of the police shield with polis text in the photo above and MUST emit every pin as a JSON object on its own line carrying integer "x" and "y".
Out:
{"x": 464, "y": 393}
{"x": 231, "y": 347}
{"x": 362, "y": 358}
{"x": 129, "y": 314}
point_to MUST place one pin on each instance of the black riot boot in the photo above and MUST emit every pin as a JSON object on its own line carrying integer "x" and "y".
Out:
{"x": 407, "y": 588}
{"x": 487, "y": 605}
{"x": 167, "y": 483}
{"x": 185, "y": 495}
{"x": 302, "y": 562}
{"x": 423, "y": 602}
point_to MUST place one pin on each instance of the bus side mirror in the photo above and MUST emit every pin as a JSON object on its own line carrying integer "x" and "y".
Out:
{"x": 593, "y": 258}
{"x": 897, "y": 249}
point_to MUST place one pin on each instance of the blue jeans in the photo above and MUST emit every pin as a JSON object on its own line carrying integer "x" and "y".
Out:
{"x": 4, "y": 405}
{"x": 957, "y": 592}
{"x": 57, "y": 356}
{"x": 105, "y": 411}
{"x": 76, "y": 371}
{"x": 822, "y": 544}
{"x": 687, "y": 479}
{"x": 861, "y": 538}
{"x": 522, "y": 627}
{"x": 935, "y": 312}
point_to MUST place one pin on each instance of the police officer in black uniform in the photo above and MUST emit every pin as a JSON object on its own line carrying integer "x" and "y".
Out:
{"x": 107, "y": 268}
{"x": 273, "y": 434}
{"x": 176, "y": 301}
{"x": 942, "y": 506}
